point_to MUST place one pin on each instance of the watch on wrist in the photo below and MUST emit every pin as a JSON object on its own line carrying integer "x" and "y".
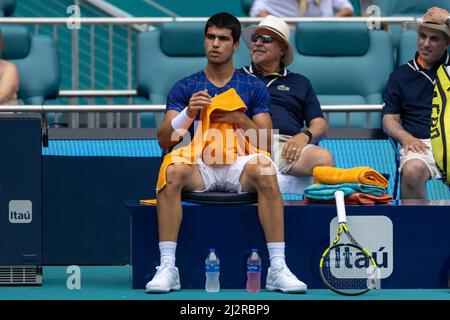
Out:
{"x": 309, "y": 134}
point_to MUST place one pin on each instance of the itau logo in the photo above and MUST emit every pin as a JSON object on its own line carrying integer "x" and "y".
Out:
{"x": 20, "y": 211}
{"x": 375, "y": 233}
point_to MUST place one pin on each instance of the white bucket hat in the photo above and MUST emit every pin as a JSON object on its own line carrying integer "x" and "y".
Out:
{"x": 280, "y": 28}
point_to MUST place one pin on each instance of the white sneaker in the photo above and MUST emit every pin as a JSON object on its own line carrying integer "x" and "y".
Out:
{"x": 164, "y": 280}
{"x": 282, "y": 279}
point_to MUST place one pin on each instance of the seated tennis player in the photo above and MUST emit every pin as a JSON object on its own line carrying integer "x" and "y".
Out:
{"x": 242, "y": 103}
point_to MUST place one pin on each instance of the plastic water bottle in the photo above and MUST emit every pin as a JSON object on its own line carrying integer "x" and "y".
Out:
{"x": 253, "y": 272}
{"x": 212, "y": 272}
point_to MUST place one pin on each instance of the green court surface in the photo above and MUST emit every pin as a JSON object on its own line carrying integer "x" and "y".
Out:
{"x": 114, "y": 283}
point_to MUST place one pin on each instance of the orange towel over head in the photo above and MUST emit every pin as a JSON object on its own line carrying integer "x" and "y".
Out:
{"x": 366, "y": 175}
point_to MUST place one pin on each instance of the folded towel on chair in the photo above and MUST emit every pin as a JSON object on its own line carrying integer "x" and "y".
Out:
{"x": 365, "y": 175}
{"x": 326, "y": 191}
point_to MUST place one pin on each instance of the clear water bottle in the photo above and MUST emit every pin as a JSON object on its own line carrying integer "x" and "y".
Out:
{"x": 212, "y": 272}
{"x": 253, "y": 272}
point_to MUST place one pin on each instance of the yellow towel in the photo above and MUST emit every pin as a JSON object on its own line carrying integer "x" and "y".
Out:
{"x": 216, "y": 143}
{"x": 332, "y": 175}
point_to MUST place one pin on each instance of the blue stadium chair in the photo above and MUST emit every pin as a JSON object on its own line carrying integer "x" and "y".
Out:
{"x": 356, "y": 7}
{"x": 7, "y": 7}
{"x": 246, "y": 6}
{"x": 346, "y": 64}
{"x": 399, "y": 8}
{"x": 167, "y": 55}
{"x": 37, "y": 60}
{"x": 414, "y": 8}
{"x": 407, "y": 47}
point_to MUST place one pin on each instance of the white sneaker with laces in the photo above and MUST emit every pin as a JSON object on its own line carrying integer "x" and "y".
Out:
{"x": 165, "y": 279}
{"x": 282, "y": 279}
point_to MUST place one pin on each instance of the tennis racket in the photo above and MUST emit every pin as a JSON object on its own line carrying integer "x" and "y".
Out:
{"x": 345, "y": 266}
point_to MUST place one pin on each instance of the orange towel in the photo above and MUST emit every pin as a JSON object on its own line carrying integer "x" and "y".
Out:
{"x": 216, "y": 143}
{"x": 357, "y": 198}
{"x": 364, "y": 198}
{"x": 332, "y": 175}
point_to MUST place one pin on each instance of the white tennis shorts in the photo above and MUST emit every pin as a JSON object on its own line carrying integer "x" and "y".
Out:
{"x": 225, "y": 178}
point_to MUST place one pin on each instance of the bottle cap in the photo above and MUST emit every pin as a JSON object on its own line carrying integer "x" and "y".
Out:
{"x": 254, "y": 250}
{"x": 212, "y": 250}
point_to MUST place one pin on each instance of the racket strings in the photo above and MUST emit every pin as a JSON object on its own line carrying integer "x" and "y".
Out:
{"x": 348, "y": 268}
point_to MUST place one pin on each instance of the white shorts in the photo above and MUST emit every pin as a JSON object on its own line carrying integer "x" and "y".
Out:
{"x": 225, "y": 178}
{"x": 427, "y": 158}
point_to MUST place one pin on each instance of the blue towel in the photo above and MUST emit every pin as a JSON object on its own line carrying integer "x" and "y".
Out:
{"x": 326, "y": 191}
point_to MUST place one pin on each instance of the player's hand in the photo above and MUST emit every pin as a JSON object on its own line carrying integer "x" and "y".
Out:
{"x": 199, "y": 101}
{"x": 233, "y": 117}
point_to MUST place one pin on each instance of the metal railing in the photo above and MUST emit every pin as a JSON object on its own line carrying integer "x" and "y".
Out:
{"x": 97, "y": 93}
{"x": 93, "y": 120}
{"x": 159, "y": 20}
{"x": 157, "y": 108}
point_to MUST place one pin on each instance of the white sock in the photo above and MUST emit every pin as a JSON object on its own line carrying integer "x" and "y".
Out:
{"x": 167, "y": 250}
{"x": 276, "y": 254}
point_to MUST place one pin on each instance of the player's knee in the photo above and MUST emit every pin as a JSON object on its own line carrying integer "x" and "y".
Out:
{"x": 265, "y": 180}
{"x": 176, "y": 173}
{"x": 260, "y": 166}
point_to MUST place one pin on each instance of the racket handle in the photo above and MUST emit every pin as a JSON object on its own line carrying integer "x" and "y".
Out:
{"x": 340, "y": 206}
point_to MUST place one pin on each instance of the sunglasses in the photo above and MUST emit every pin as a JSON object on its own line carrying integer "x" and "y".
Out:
{"x": 264, "y": 38}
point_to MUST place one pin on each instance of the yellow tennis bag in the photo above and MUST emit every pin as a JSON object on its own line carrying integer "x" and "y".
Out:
{"x": 440, "y": 123}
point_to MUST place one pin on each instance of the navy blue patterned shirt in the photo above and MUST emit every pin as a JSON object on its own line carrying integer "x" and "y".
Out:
{"x": 251, "y": 90}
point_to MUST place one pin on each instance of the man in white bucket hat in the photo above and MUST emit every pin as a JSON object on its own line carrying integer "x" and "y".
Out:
{"x": 296, "y": 111}
{"x": 408, "y": 103}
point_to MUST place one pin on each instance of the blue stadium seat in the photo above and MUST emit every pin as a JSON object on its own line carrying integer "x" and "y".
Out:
{"x": 356, "y": 8}
{"x": 407, "y": 47}
{"x": 37, "y": 60}
{"x": 246, "y": 6}
{"x": 346, "y": 64}
{"x": 7, "y": 7}
{"x": 399, "y": 8}
{"x": 167, "y": 55}
{"x": 414, "y": 8}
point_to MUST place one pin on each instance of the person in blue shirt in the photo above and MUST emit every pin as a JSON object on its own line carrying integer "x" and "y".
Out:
{"x": 184, "y": 103}
{"x": 408, "y": 103}
{"x": 296, "y": 112}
